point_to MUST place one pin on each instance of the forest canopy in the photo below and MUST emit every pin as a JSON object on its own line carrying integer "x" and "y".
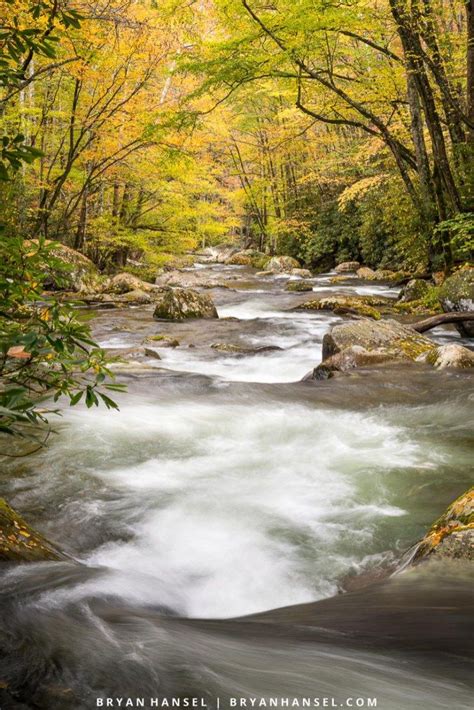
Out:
{"x": 323, "y": 130}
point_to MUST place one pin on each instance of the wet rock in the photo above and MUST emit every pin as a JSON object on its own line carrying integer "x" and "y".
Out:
{"x": 457, "y": 294}
{"x": 191, "y": 279}
{"x": 242, "y": 349}
{"x": 302, "y": 273}
{"x": 265, "y": 273}
{"x": 124, "y": 283}
{"x": 239, "y": 259}
{"x": 149, "y": 352}
{"x": 365, "y": 273}
{"x": 358, "y": 305}
{"x": 452, "y": 535}
{"x": 451, "y": 355}
{"x": 379, "y": 275}
{"x": 249, "y": 257}
{"x": 351, "y": 358}
{"x": 347, "y": 266}
{"x": 181, "y": 303}
{"x": 20, "y": 543}
{"x": 414, "y": 290}
{"x": 282, "y": 264}
{"x": 162, "y": 341}
{"x": 395, "y": 339}
{"x": 299, "y": 286}
{"x": 216, "y": 255}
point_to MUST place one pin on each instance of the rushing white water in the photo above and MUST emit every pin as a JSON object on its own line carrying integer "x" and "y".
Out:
{"x": 242, "y": 508}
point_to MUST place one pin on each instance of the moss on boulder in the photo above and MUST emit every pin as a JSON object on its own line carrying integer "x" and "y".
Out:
{"x": 358, "y": 305}
{"x": 457, "y": 294}
{"x": 414, "y": 290}
{"x": 452, "y": 535}
{"x": 282, "y": 264}
{"x": 75, "y": 271}
{"x": 183, "y": 303}
{"x": 397, "y": 340}
{"x": 20, "y": 543}
{"x": 299, "y": 286}
{"x": 451, "y": 355}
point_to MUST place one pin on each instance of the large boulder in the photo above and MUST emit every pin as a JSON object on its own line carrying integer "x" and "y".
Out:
{"x": 124, "y": 283}
{"x": 452, "y": 535}
{"x": 451, "y": 355}
{"x": 182, "y": 303}
{"x": 366, "y": 306}
{"x": 74, "y": 272}
{"x": 347, "y": 266}
{"x": 414, "y": 290}
{"x": 249, "y": 257}
{"x": 20, "y": 543}
{"x": 397, "y": 340}
{"x": 282, "y": 264}
{"x": 457, "y": 294}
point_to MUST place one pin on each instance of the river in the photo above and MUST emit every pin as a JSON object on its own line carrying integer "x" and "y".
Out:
{"x": 220, "y": 514}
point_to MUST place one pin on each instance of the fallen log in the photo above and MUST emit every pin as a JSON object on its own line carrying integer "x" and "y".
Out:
{"x": 441, "y": 319}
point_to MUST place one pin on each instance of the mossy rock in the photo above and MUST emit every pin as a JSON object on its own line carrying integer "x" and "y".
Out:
{"x": 164, "y": 341}
{"x": 183, "y": 303}
{"x": 414, "y": 290}
{"x": 20, "y": 543}
{"x": 396, "y": 339}
{"x": 299, "y": 286}
{"x": 457, "y": 294}
{"x": 450, "y": 355}
{"x": 357, "y": 305}
{"x": 457, "y": 521}
{"x": 125, "y": 282}
{"x": 347, "y": 267}
{"x": 282, "y": 264}
{"x": 75, "y": 271}
{"x": 239, "y": 259}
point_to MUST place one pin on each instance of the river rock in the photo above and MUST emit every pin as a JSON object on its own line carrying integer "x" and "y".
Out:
{"x": 299, "y": 286}
{"x": 282, "y": 264}
{"x": 395, "y": 339}
{"x": 216, "y": 255}
{"x": 182, "y": 303}
{"x": 20, "y": 543}
{"x": 457, "y": 294}
{"x": 302, "y": 273}
{"x": 452, "y": 535}
{"x": 124, "y": 283}
{"x": 347, "y": 266}
{"x": 379, "y": 275}
{"x": 243, "y": 350}
{"x": 451, "y": 355}
{"x": 358, "y": 305}
{"x": 191, "y": 279}
{"x": 239, "y": 259}
{"x": 162, "y": 341}
{"x": 414, "y": 290}
{"x": 351, "y": 358}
